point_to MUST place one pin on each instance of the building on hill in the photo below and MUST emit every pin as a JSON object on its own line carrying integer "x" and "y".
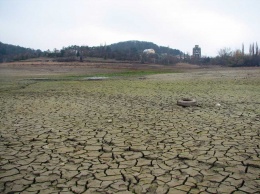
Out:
{"x": 149, "y": 51}
{"x": 196, "y": 52}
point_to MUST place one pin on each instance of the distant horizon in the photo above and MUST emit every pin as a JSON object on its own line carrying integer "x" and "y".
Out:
{"x": 91, "y": 46}
{"x": 213, "y": 25}
{"x": 51, "y": 50}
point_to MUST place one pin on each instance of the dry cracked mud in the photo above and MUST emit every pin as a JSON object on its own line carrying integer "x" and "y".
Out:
{"x": 129, "y": 136}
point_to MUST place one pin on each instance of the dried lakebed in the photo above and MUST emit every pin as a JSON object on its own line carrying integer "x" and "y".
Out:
{"x": 129, "y": 135}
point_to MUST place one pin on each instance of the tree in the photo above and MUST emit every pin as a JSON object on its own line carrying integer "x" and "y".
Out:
{"x": 256, "y": 49}
{"x": 238, "y": 59}
{"x": 62, "y": 52}
{"x": 253, "y": 49}
{"x": 224, "y": 56}
{"x": 225, "y": 52}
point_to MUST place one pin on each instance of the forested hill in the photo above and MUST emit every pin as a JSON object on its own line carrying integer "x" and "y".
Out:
{"x": 125, "y": 51}
{"x": 139, "y": 46}
{"x": 10, "y": 52}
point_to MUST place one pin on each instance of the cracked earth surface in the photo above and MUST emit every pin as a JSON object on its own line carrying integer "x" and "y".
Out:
{"x": 129, "y": 136}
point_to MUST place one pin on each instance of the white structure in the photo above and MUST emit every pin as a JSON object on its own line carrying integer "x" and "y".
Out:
{"x": 149, "y": 51}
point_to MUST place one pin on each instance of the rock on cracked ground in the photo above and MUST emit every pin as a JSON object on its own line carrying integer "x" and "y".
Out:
{"x": 129, "y": 136}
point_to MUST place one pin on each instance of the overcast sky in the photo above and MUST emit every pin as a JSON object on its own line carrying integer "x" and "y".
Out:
{"x": 180, "y": 24}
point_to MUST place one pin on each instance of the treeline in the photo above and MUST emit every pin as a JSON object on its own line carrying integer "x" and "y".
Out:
{"x": 228, "y": 58}
{"x": 238, "y": 58}
{"x": 123, "y": 51}
{"x": 15, "y": 53}
{"x": 132, "y": 51}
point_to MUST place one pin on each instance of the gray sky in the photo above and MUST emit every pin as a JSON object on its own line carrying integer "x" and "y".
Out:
{"x": 180, "y": 24}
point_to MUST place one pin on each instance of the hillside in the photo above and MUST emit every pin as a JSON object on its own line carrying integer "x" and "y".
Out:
{"x": 10, "y": 52}
{"x": 122, "y": 51}
{"x": 142, "y": 45}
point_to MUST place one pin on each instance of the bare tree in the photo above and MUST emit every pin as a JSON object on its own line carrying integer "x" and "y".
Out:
{"x": 225, "y": 52}
{"x": 243, "y": 51}
{"x": 256, "y": 49}
{"x": 253, "y": 49}
{"x": 237, "y": 53}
